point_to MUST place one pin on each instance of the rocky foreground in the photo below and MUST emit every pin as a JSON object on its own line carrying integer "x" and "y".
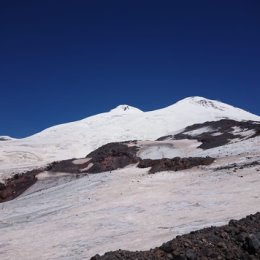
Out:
{"x": 237, "y": 240}
{"x": 107, "y": 158}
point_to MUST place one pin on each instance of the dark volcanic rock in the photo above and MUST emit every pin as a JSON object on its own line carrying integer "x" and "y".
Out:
{"x": 175, "y": 164}
{"x": 219, "y": 132}
{"x": 122, "y": 254}
{"x": 238, "y": 166}
{"x": 67, "y": 166}
{"x": 17, "y": 184}
{"x": 167, "y": 137}
{"x": 112, "y": 156}
{"x": 108, "y": 157}
{"x": 237, "y": 240}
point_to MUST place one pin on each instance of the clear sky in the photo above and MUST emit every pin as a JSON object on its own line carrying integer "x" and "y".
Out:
{"x": 64, "y": 60}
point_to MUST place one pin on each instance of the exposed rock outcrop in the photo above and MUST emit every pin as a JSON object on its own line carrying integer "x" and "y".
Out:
{"x": 108, "y": 157}
{"x": 112, "y": 156}
{"x": 175, "y": 164}
{"x": 217, "y": 133}
{"x": 67, "y": 166}
{"x": 17, "y": 184}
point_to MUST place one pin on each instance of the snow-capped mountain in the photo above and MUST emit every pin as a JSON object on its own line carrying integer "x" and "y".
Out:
{"x": 76, "y": 139}
{"x": 193, "y": 166}
{"x": 134, "y": 206}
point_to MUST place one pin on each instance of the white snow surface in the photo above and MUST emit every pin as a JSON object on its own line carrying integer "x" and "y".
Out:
{"x": 6, "y": 138}
{"x": 127, "y": 208}
{"x": 61, "y": 217}
{"x": 241, "y": 132}
{"x": 167, "y": 149}
{"x": 77, "y": 139}
{"x": 199, "y": 131}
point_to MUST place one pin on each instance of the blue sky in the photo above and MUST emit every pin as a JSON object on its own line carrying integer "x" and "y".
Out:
{"x": 64, "y": 60}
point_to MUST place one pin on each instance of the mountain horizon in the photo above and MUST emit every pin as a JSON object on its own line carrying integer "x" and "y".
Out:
{"x": 123, "y": 123}
{"x": 93, "y": 182}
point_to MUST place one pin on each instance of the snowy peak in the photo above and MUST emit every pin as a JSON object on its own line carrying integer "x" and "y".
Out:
{"x": 212, "y": 109}
{"x": 125, "y": 109}
{"x": 204, "y": 102}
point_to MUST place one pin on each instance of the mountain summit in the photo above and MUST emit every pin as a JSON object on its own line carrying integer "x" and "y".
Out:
{"x": 204, "y": 102}
{"x": 125, "y": 109}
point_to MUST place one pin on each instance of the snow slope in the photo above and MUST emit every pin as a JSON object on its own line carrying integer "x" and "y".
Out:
{"x": 78, "y": 138}
{"x": 128, "y": 208}
{"x": 6, "y": 138}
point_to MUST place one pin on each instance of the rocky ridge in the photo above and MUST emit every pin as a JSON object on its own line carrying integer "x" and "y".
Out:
{"x": 217, "y": 133}
{"x": 108, "y": 157}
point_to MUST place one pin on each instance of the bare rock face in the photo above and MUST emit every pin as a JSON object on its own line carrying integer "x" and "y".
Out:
{"x": 122, "y": 254}
{"x": 67, "y": 166}
{"x": 217, "y": 133}
{"x": 175, "y": 164}
{"x": 17, "y": 184}
{"x": 112, "y": 156}
{"x": 108, "y": 157}
{"x": 237, "y": 240}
